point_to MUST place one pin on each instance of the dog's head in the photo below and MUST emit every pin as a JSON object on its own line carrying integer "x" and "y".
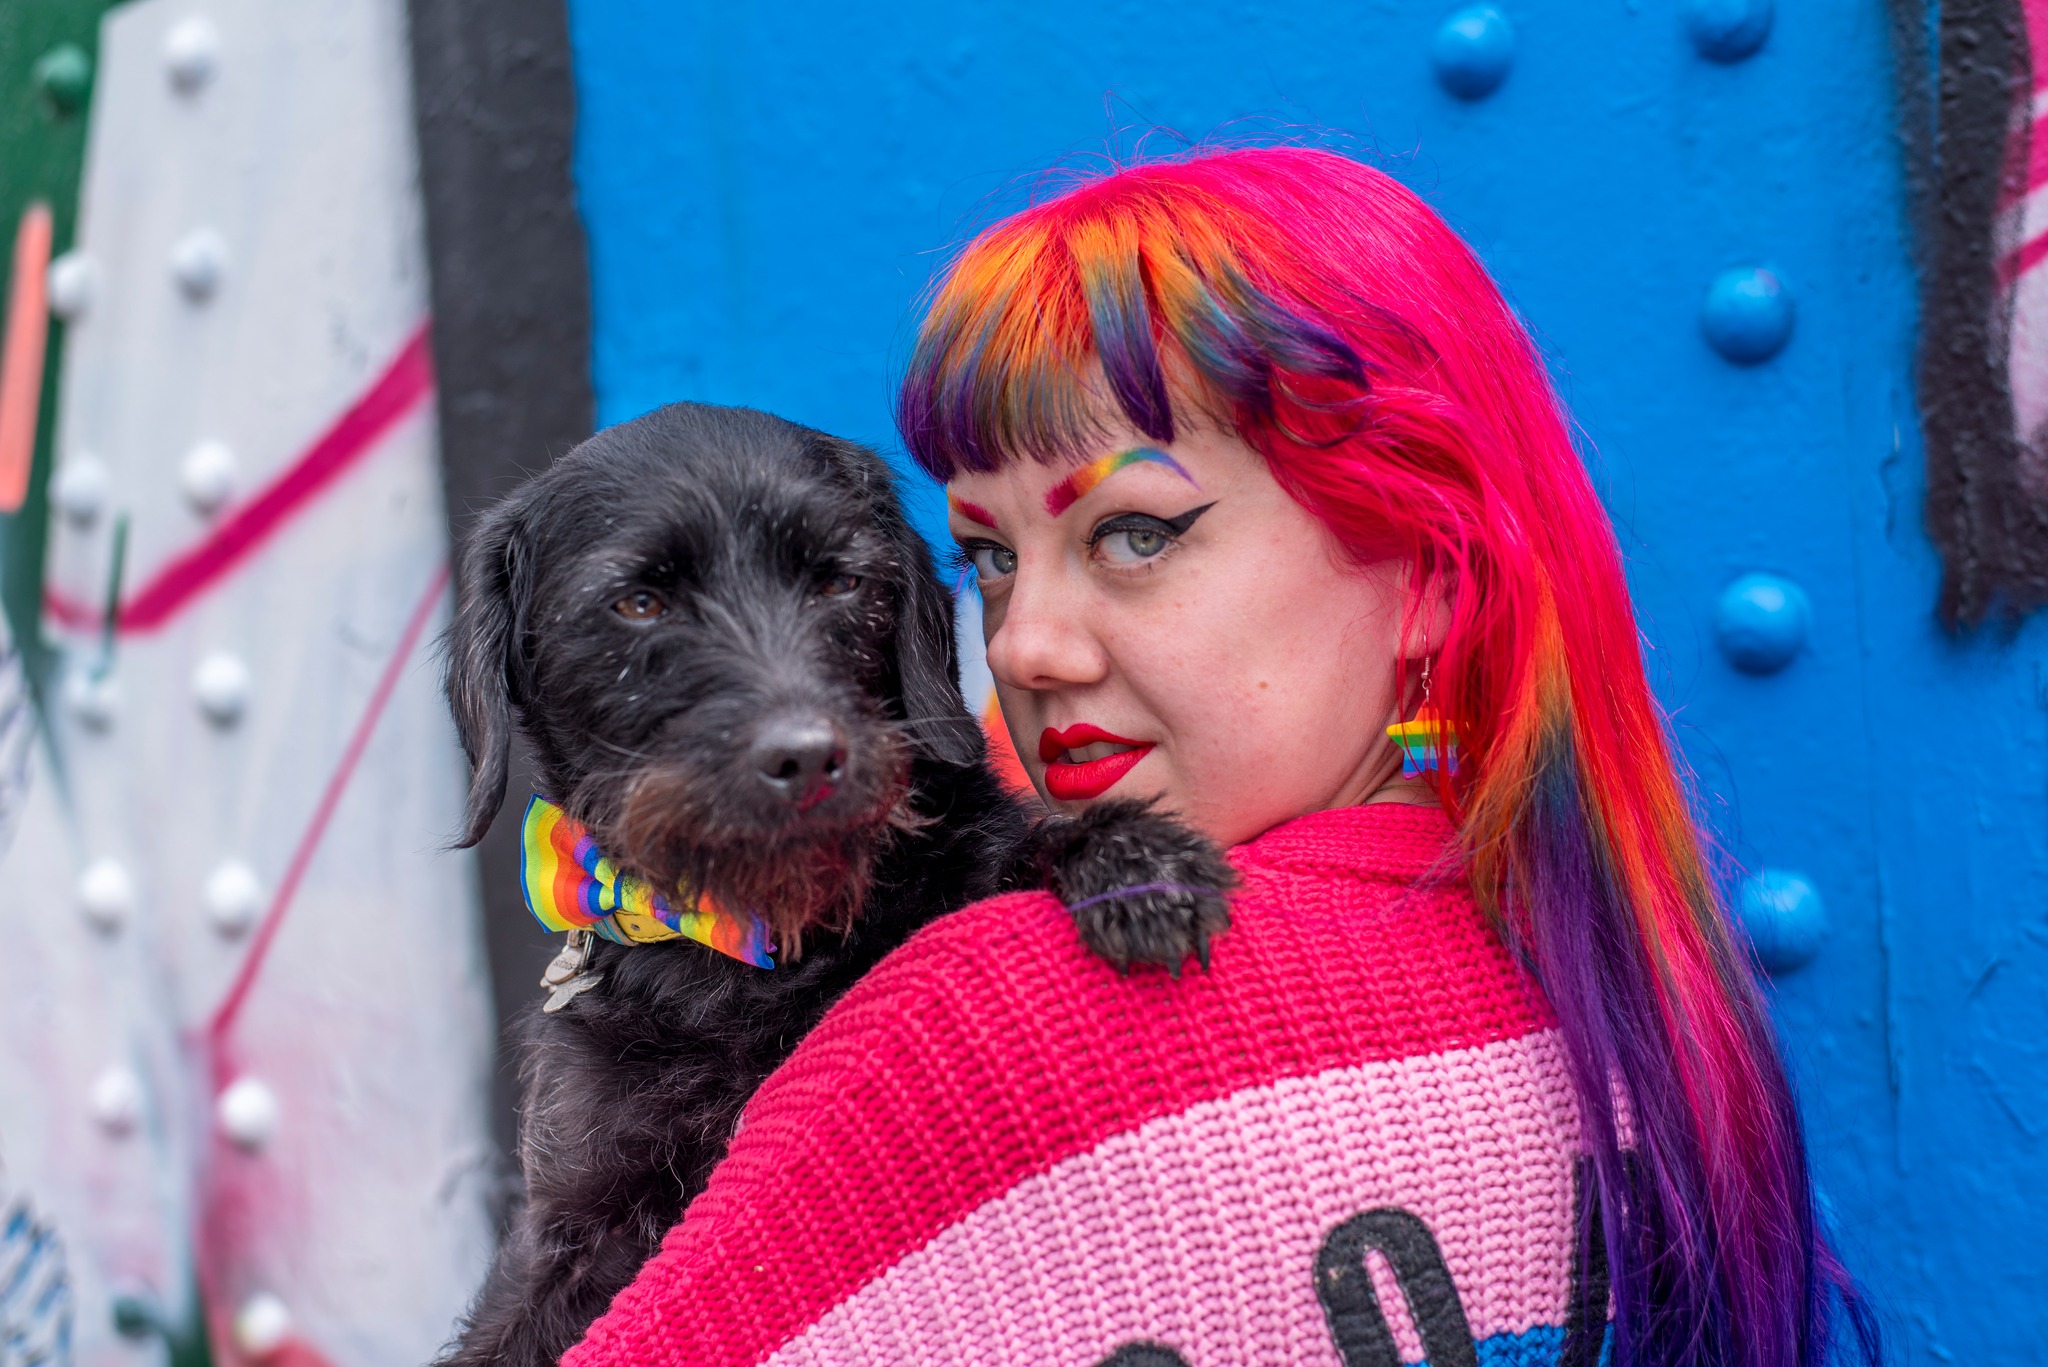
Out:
{"x": 725, "y": 646}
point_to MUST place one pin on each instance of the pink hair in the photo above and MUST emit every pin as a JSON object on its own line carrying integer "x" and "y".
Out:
{"x": 1323, "y": 313}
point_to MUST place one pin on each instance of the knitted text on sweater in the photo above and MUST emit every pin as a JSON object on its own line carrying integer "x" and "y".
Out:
{"x": 1351, "y": 1142}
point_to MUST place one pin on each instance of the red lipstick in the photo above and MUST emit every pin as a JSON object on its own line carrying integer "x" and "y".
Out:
{"x": 1078, "y": 781}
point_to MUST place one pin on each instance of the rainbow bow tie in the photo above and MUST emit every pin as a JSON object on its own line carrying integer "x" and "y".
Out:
{"x": 570, "y": 886}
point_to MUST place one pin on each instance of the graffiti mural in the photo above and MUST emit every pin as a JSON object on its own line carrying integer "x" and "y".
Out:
{"x": 292, "y": 291}
{"x": 1977, "y": 168}
{"x": 255, "y": 1118}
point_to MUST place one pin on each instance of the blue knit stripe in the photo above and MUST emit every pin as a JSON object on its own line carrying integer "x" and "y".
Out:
{"x": 1538, "y": 1347}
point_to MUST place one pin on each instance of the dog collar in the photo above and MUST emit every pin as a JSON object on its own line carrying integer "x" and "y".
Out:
{"x": 569, "y": 885}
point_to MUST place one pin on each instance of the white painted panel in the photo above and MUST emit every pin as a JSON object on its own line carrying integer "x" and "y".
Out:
{"x": 369, "y": 1022}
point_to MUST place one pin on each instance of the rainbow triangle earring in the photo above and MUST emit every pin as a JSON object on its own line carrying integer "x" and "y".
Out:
{"x": 1428, "y": 741}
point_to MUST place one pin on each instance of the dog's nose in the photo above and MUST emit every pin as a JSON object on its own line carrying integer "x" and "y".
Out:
{"x": 799, "y": 758}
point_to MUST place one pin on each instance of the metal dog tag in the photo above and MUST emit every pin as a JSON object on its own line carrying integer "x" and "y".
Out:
{"x": 569, "y": 991}
{"x": 565, "y": 978}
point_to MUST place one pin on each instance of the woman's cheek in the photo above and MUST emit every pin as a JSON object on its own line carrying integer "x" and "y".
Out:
{"x": 1215, "y": 769}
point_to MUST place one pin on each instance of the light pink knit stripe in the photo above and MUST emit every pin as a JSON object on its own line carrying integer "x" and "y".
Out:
{"x": 1239, "y": 1194}
{"x": 994, "y": 1047}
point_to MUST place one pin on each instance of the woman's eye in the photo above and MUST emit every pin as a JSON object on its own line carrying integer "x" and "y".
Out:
{"x": 840, "y": 585}
{"x": 992, "y": 562}
{"x": 640, "y": 606}
{"x": 1129, "y": 547}
{"x": 1135, "y": 538}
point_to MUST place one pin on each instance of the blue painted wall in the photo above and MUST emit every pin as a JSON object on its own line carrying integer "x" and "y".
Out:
{"x": 768, "y": 188}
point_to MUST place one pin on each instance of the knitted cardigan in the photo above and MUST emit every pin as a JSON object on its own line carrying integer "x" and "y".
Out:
{"x": 1352, "y": 1141}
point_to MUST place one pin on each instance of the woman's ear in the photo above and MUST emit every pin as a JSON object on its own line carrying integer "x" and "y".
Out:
{"x": 1430, "y": 626}
{"x": 481, "y": 655}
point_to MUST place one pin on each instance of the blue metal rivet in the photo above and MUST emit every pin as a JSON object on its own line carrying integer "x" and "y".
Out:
{"x": 1727, "y": 30}
{"x": 1472, "y": 51}
{"x": 1761, "y": 622}
{"x": 1784, "y": 919}
{"x": 1747, "y": 316}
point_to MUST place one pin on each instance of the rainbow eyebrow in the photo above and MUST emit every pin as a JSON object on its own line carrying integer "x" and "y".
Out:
{"x": 1075, "y": 487}
{"x": 973, "y": 512}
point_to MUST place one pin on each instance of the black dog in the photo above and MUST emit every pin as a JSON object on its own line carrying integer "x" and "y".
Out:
{"x": 735, "y": 665}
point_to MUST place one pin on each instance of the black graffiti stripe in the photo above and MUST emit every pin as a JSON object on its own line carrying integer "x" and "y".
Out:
{"x": 494, "y": 107}
{"x": 1990, "y": 526}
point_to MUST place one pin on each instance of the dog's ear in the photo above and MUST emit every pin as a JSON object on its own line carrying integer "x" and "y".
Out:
{"x": 483, "y": 652}
{"x": 927, "y": 664}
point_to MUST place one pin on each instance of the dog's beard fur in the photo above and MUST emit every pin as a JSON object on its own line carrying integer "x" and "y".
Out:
{"x": 675, "y": 826}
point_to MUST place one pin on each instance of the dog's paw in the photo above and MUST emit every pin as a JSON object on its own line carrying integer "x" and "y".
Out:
{"x": 1142, "y": 887}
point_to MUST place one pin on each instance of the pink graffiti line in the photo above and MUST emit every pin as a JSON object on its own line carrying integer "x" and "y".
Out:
{"x": 223, "y": 1019}
{"x": 407, "y": 381}
{"x": 229, "y": 1203}
{"x": 2021, "y": 186}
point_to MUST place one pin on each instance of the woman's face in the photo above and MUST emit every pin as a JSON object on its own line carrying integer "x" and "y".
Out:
{"x": 1166, "y": 622}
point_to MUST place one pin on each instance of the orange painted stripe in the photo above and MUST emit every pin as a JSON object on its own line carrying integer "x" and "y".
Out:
{"x": 21, "y": 355}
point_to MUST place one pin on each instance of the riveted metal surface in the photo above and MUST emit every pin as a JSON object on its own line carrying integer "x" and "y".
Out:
{"x": 766, "y": 193}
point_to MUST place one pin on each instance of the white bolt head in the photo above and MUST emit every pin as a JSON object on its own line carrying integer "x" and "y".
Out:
{"x": 117, "y": 1101}
{"x": 233, "y": 898}
{"x": 191, "y": 54}
{"x": 221, "y": 683}
{"x": 198, "y": 261}
{"x": 93, "y": 697}
{"x": 79, "y": 489}
{"x": 247, "y": 1113}
{"x": 106, "y": 895}
{"x": 208, "y": 475}
{"x": 71, "y": 281}
{"x": 262, "y": 1325}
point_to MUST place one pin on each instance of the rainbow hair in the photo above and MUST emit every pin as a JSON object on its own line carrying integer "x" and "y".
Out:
{"x": 1324, "y": 314}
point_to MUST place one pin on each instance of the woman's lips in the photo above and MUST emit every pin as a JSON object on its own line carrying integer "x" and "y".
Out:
{"x": 1072, "y": 780}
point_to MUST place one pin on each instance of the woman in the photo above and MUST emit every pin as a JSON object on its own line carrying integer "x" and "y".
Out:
{"x": 1253, "y": 464}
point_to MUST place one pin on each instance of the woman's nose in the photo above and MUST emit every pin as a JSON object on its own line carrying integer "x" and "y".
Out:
{"x": 1042, "y": 640}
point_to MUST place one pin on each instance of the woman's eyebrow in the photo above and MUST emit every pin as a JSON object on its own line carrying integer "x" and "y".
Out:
{"x": 973, "y": 512}
{"x": 1075, "y": 487}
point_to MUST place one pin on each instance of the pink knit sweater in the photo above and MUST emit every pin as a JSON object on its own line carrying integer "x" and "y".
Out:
{"x": 1351, "y": 1142}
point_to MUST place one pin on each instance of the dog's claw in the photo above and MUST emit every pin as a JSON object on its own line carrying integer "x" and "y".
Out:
{"x": 1146, "y": 889}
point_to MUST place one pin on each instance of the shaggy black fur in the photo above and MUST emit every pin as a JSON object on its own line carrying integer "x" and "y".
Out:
{"x": 734, "y": 663}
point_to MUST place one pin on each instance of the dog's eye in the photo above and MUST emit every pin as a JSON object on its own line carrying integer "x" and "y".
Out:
{"x": 840, "y": 585}
{"x": 640, "y": 606}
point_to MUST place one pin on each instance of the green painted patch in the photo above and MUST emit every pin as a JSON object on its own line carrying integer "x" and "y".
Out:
{"x": 48, "y": 53}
